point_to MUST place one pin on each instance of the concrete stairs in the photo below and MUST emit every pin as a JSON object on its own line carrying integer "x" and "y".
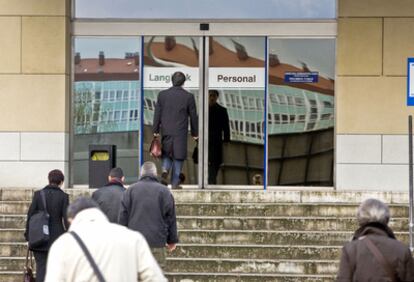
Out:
{"x": 236, "y": 235}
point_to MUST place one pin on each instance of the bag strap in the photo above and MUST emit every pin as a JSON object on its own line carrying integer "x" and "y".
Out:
{"x": 43, "y": 196}
{"x": 88, "y": 256}
{"x": 29, "y": 255}
{"x": 381, "y": 259}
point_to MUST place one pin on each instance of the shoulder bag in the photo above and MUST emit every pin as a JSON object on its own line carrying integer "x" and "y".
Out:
{"x": 155, "y": 148}
{"x": 381, "y": 259}
{"x": 39, "y": 225}
{"x": 88, "y": 255}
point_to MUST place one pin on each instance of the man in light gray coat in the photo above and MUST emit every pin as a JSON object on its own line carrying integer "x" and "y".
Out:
{"x": 174, "y": 106}
{"x": 109, "y": 197}
{"x": 120, "y": 254}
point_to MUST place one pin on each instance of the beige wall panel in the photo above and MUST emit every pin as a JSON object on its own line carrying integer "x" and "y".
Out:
{"x": 33, "y": 7}
{"x": 398, "y": 45}
{"x": 10, "y": 47}
{"x": 359, "y": 47}
{"x": 375, "y": 8}
{"x": 372, "y": 105}
{"x": 44, "y": 45}
{"x": 33, "y": 103}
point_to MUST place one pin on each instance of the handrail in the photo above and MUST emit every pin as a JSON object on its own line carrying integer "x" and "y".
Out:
{"x": 410, "y": 169}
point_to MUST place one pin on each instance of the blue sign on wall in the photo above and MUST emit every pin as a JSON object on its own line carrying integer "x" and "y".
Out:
{"x": 301, "y": 77}
{"x": 410, "y": 82}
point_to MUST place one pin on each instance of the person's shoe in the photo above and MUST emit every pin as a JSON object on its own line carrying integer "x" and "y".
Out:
{"x": 164, "y": 178}
{"x": 177, "y": 187}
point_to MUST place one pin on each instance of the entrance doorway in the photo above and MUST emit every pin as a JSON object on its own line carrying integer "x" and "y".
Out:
{"x": 227, "y": 77}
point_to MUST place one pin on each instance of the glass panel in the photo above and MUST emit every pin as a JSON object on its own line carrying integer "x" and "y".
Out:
{"x": 105, "y": 102}
{"x": 301, "y": 111}
{"x": 237, "y": 74}
{"x": 212, "y": 9}
{"x": 164, "y": 55}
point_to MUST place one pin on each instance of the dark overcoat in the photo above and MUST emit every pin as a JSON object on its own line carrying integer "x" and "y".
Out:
{"x": 359, "y": 264}
{"x": 57, "y": 203}
{"x": 109, "y": 199}
{"x": 218, "y": 132}
{"x": 148, "y": 207}
{"x": 174, "y": 106}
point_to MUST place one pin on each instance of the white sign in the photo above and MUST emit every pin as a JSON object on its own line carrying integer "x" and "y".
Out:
{"x": 411, "y": 77}
{"x": 236, "y": 78}
{"x": 219, "y": 78}
{"x": 160, "y": 78}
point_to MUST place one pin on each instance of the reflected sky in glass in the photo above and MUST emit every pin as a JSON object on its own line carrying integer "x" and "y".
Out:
{"x": 206, "y": 9}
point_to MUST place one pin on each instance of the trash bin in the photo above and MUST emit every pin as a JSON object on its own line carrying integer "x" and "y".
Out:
{"x": 102, "y": 158}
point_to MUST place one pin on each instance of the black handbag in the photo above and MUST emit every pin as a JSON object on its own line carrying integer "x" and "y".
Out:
{"x": 195, "y": 154}
{"x": 28, "y": 270}
{"x": 39, "y": 226}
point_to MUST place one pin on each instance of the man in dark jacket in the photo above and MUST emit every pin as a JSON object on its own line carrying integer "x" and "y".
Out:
{"x": 109, "y": 197}
{"x": 148, "y": 207}
{"x": 172, "y": 110}
{"x": 218, "y": 132}
{"x": 359, "y": 261}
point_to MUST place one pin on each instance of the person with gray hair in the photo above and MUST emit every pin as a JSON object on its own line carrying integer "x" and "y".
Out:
{"x": 148, "y": 207}
{"x": 374, "y": 254}
{"x": 120, "y": 254}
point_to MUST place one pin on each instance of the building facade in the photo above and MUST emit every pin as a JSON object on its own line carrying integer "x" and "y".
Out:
{"x": 68, "y": 81}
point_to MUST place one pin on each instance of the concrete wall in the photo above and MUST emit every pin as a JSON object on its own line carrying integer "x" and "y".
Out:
{"x": 34, "y": 90}
{"x": 374, "y": 40}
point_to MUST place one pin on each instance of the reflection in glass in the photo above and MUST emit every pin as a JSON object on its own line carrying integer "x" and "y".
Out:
{"x": 105, "y": 102}
{"x": 301, "y": 111}
{"x": 236, "y": 71}
{"x": 164, "y": 55}
{"x": 212, "y": 9}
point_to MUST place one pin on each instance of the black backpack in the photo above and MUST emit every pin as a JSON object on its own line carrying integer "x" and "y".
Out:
{"x": 39, "y": 226}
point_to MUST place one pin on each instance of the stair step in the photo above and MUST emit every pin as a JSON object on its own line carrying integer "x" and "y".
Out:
{"x": 251, "y": 277}
{"x": 280, "y": 209}
{"x": 11, "y": 249}
{"x": 12, "y": 235}
{"x": 313, "y": 267}
{"x": 11, "y": 276}
{"x": 265, "y": 237}
{"x": 12, "y": 221}
{"x": 277, "y": 223}
{"x": 225, "y": 251}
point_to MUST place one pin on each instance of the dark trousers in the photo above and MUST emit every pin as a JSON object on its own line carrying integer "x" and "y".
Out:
{"x": 41, "y": 259}
{"x": 213, "y": 169}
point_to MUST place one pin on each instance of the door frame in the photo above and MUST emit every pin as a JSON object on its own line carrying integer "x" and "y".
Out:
{"x": 267, "y": 29}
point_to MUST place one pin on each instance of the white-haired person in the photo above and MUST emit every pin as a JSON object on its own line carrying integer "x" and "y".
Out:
{"x": 117, "y": 254}
{"x": 148, "y": 207}
{"x": 374, "y": 254}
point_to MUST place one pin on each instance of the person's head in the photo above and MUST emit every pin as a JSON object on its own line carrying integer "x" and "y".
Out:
{"x": 148, "y": 169}
{"x": 373, "y": 210}
{"x": 212, "y": 97}
{"x": 56, "y": 177}
{"x": 178, "y": 78}
{"x": 116, "y": 174}
{"x": 80, "y": 204}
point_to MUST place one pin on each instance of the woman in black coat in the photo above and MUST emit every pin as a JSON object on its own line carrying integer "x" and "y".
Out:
{"x": 57, "y": 203}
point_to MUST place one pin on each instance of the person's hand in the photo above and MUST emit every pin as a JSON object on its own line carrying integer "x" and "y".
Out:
{"x": 156, "y": 135}
{"x": 171, "y": 247}
{"x": 195, "y": 138}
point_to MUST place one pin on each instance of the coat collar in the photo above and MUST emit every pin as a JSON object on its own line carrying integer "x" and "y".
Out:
{"x": 373, "y": 228}
{"x": 148, "y": 178}
{"x": 115, "y": 182}
{"x": 88, "y": 216}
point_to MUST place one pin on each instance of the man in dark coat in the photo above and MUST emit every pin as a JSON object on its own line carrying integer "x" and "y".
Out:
{"x": 57, "y": 203}
{"x": 358, "y": 259}
{"x": 109, "y": 197}
{"x": 174, "y": 106}
{"x": 148, "y": 207}
{"x": 218, "y": 132}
